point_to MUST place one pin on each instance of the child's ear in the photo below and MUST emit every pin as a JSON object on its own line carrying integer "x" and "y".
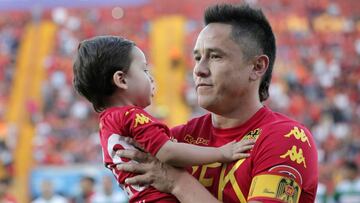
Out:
{"x": 120, "y": 80}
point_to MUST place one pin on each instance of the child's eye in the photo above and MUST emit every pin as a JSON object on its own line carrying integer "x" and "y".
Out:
{"x": 197, "y": 58}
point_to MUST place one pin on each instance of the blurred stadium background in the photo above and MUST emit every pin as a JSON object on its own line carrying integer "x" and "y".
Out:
{"x": 49, "y": 134}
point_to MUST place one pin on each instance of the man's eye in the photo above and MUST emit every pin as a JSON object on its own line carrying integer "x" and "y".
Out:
{"x": 214, "y": 56}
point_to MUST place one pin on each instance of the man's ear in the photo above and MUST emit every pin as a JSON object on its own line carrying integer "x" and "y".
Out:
{"x": 119, "y": 80}
{"x": 260, "y": 65}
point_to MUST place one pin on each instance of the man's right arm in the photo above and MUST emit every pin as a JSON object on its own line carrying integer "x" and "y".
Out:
{"x": 164, "y": 177}
{"x": 187, "y": 189}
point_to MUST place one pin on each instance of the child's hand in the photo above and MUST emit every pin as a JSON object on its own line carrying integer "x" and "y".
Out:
{"x": 236, "y": 150}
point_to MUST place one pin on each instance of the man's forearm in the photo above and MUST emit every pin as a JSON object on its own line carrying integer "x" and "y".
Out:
{"x": 164, "y": 177}
{"x": 188, "y": 190}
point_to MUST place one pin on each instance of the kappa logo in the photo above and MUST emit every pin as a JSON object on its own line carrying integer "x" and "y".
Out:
{"x": 141, "y": 119}
{"x": 295, "y": 155}
{"x": 199, "y": 140}
{"x": 299, "y": 134}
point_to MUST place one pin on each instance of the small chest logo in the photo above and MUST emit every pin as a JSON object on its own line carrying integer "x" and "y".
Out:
{"x": 252, "y": 135}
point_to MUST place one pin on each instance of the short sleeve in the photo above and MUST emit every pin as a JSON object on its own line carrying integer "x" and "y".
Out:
{"x": 178, "y": 132}
{"x": 285, "y": 162}
{"x": 145, "y": 130}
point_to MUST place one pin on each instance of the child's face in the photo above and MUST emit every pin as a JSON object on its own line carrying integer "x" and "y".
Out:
{"x": 140, "y": 82}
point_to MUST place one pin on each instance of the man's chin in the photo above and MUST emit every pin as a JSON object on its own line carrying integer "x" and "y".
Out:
{"x": 204, "y": 103}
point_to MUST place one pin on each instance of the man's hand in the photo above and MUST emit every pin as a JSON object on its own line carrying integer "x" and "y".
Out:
{"x": 151, "y": 171}
{"x": 236, "y": 150}
{"x": 163, "y": 177}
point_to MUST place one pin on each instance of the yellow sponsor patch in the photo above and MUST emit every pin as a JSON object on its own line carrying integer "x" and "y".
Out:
{"x": 275, "y": 187}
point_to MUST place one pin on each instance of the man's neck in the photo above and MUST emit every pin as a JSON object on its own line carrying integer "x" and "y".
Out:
{"x": 235, "y": 118}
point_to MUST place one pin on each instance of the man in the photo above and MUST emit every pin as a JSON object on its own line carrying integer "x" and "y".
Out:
{"x": 87, "y": 191}
{"x": 5, "y": 196}
{"x": 348, "y": 189}
{"x": 234, "y": 55}
{"x": 108, "y": 194}
{"x": 48, "y": 195}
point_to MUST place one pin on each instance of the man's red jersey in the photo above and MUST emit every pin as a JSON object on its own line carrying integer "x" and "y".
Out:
{"x": 282, "y": 166}
{"x": 116, "y": 124}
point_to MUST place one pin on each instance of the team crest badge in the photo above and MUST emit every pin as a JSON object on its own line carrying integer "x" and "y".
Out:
{"x": 287, "y": 190}
{"x": 252, "y": 135}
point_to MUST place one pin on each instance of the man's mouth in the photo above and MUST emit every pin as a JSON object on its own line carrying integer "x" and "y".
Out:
{"x": 200, "y": 85}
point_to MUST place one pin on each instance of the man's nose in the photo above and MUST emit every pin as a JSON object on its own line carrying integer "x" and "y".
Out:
{"x": 201, "y": 69}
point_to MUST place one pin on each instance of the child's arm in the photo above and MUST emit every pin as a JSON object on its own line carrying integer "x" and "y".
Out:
{"x": 182, "y": 154}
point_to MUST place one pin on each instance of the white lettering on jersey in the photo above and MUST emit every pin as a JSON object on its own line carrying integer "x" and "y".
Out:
{"x": 116, "y": 139}
{"x": 113, "y": 140}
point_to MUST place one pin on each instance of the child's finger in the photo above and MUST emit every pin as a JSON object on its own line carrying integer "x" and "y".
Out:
{"x": 252, "y": 141}
{"x": 241, "y": 156}
{"x": 243, "y": 148}
{"x": 239, "y": 144}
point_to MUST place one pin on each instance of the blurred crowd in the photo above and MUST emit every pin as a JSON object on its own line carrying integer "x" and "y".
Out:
{"x": 89, "y": 192}
{"x": 316, "y": 79}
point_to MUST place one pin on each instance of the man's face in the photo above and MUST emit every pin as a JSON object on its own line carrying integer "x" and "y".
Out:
{"x": 87, "y": 186}
{"x": 221, "y": 73}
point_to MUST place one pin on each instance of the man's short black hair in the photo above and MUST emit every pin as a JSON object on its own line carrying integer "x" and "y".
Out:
{"x": 97, "y": 60}
{"x": 251, "y": 29}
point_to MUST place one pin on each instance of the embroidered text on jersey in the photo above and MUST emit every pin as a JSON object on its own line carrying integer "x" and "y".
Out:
{"x": 199, "y": 140}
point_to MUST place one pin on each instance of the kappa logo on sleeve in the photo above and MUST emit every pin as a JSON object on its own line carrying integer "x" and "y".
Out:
{"x": 141, "y": 119}
{"x": 299, "y": 134}
{"x": 295, "y": 155}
